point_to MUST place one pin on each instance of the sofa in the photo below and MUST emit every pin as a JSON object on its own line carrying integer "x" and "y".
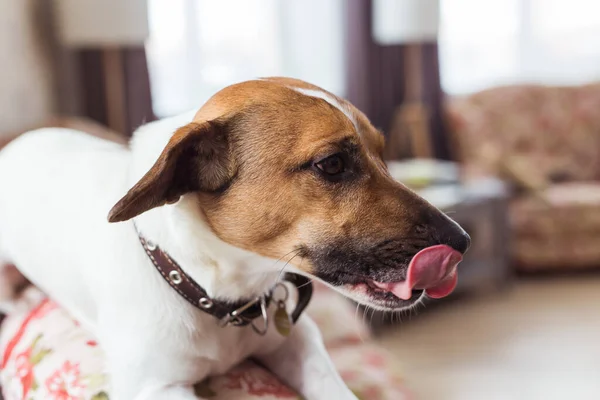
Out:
{"x": 45, "y": 354}
{"x": 545, "y": 141}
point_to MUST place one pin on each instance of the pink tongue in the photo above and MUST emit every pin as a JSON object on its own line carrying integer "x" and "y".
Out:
{"x": 432, "y": 269}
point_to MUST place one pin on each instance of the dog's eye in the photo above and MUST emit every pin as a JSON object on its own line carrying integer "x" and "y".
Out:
{"x": 332, "y": 165}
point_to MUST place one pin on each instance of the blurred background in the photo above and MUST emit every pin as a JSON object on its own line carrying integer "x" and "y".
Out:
{"x": 491, "y": 110}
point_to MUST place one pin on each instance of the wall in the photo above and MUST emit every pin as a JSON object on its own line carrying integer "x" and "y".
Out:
{"x": 26, "y": 83}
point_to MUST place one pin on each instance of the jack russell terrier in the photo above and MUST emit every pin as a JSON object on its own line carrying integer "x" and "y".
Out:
{"x": 217, "y": 218}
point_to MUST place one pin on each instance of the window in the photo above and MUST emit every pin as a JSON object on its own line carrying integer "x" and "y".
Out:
{"x": 197, "y": 47}
{"x": 493, "y": 42}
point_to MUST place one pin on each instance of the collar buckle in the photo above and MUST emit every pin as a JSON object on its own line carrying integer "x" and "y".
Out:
{"x": 262, "y": 331}
{"x": 236, "y": 317}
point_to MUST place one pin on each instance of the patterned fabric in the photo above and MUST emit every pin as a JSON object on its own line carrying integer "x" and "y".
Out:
{"x": 549, "y": 140}
{"x": 556, "y": 130}
{"x": 564, "y": 232}
{"x": 47, "y": 355}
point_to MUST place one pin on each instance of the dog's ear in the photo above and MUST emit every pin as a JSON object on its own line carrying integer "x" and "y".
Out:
{"x": 197, "y": 158}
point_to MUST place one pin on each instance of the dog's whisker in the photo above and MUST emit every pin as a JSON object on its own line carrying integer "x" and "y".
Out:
{"x": 373, "y": 311}
{"x": 305, "y": 284}
{"x": 300, "y": 267}
{"x": 357, "y": 326}
{"x": 285, "y": 255}
{"x": 286, "y": 264}
{"x": 365, "y": 309}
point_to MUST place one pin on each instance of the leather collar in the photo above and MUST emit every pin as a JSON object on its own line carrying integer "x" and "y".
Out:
{"x": 239, "y": 313}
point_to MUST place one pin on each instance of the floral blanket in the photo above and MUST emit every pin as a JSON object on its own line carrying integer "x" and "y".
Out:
{"x": 47, "y": 355}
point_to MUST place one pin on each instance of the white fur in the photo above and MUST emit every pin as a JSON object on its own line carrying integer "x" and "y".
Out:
{"x": 331, "y": 100}
{"x": 57, "y": 186}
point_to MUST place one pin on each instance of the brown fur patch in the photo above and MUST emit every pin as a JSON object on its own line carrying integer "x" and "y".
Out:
{"x": 197, "y": 157}
{"x": 279, "y": 203}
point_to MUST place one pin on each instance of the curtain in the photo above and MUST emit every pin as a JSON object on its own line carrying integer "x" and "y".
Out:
{"x": 375, "y": 74}
{"x": 383, "y": 79}
{"x": 115, "y": 87}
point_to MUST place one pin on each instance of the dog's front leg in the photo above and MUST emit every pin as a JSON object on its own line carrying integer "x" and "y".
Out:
{"x": 167, "y": 393}
{"x": 131, "y": 384}
{"x": 138, "y": 371}
{"x": 302, "y": 362}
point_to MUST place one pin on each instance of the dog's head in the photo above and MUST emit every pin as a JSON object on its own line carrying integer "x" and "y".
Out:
{"x": 285, "y": 169}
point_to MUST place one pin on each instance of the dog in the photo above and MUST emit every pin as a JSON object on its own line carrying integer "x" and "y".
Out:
{"x": 270, "y": 176}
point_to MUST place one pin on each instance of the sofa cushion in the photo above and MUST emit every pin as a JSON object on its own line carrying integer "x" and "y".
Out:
{"x": 576, "y": 252}
{"x": 568, "y": 208}
{"x": 563, "y": 231}
{"x": 556, "y": 129}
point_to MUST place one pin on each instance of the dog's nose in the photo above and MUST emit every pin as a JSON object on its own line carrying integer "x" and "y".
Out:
{"x": 460, "y": 241}
{"x": 452, "y": 234}
{"x": 444, "y": 230}
{"x": 448, "y": 232}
